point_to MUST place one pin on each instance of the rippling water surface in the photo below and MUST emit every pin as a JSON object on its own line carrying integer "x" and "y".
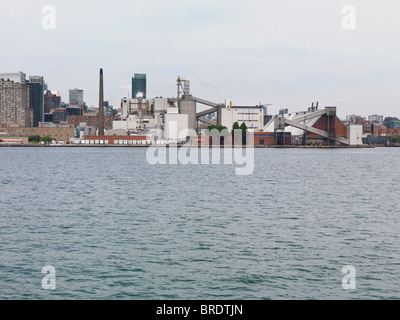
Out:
{"x": 115, "y": 227}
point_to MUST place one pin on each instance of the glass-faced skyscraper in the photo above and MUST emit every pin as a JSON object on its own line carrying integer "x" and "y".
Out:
{"x": 36, "y": 98}
{"x": 139, "y": 84}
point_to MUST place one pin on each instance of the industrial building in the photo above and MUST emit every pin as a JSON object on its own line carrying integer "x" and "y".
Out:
{"x": 253, "y": 117}
{"x": 319, "y": 127}
{"x": 177, "y": 118}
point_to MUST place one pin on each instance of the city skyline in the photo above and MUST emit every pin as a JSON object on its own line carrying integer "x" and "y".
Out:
{"x": 285, "y": 54}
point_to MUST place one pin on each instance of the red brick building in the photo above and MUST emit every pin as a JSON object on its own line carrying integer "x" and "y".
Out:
{"x": 90, "y": 120}
{"x": 383, "y": 131}
{"x": 260, "y": 138}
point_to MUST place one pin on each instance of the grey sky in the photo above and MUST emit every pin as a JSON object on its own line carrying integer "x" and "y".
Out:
{"x": 287, "y": 53}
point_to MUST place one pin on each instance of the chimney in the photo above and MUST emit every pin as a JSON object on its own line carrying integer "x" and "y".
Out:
{"x": 101, "y": 106}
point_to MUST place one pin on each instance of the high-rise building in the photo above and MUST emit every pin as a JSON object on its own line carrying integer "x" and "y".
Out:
{"x": 17, "y": 77}
{"x": 139, "y": 85}
{"x": 76, "y": 97}
{"x": 52, "y": 100}
{"x": 36, "y": 98}
{"x": 375, "y": 119}
{"x": 14, "y": 104}
{"x": 354, "y": 119}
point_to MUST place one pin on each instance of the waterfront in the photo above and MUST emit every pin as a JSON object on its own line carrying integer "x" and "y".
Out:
{"x": 115, "y": 227}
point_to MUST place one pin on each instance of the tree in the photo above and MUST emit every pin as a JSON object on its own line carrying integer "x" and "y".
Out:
{"x": 243, "y": 127}
{"x": 235, "y": 127}
{"x": 46, "y": 139}
{"x": 221, "y": 135}
{"x": 395, "y": 139}
{"x": 34, "y": 138}
{"x": 219, "y": 128}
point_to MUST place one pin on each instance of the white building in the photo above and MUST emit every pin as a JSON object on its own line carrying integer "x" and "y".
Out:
{"x": 76, "y": 97}
{"x": 18, "y": 77}
{"x": 133, "y": 124}
{"x": 253, "y": 117}
{"x": 176, "y": 126}
{"x": 140, "y": 115}
{"x": 354, "y": 134}
{"x": 151, "y": 116}
{"x": 353, "y": 119}
{"x": 375, "y": 118}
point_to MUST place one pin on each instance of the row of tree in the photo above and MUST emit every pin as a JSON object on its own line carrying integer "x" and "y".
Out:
{"x": 38, "y": 139}
{"x": 235, "y": 126}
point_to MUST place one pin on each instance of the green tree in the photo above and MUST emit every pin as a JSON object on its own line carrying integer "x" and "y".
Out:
{"x": 34, "y": 139}
{"x": 243, "y": 127}
{"x": 46, "y": 139}
{"x": 221, "y": 135}
{"x": 235, "y": 127}
{"x": 219, "y": 128}
{"x": 395, "y": 139}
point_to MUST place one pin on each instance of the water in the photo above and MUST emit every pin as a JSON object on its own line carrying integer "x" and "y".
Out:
{"x": 115, "y": 227}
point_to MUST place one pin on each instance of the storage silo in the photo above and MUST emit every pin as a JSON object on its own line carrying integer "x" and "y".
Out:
{"x": 187, "y": 105}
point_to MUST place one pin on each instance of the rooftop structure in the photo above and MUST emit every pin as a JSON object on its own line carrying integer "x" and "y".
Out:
{"x": 18, "y": 77}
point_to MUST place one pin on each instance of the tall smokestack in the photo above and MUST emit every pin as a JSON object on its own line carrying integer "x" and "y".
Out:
{"x": 101, "y": 106}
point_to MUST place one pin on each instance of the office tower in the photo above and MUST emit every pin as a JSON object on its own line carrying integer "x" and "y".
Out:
{"x": 52, "y": 100}
{"x": 376, "y": 118}
{"x": 139, "y": 85}
{"x": 76, "y": 97}
{"x": 36, "y": 98}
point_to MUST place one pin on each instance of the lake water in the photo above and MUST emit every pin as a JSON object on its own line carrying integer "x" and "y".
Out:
{"x": 115, "y": 227}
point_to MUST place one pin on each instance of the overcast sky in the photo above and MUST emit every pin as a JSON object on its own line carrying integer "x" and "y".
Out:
{"x": 286, "y": 53}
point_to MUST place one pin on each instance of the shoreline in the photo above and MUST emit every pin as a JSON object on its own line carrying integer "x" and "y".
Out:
{"x": 179, "y": 146}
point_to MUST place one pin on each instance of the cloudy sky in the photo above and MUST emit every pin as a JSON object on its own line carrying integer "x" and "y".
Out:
{"x": 286, "y": 53}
